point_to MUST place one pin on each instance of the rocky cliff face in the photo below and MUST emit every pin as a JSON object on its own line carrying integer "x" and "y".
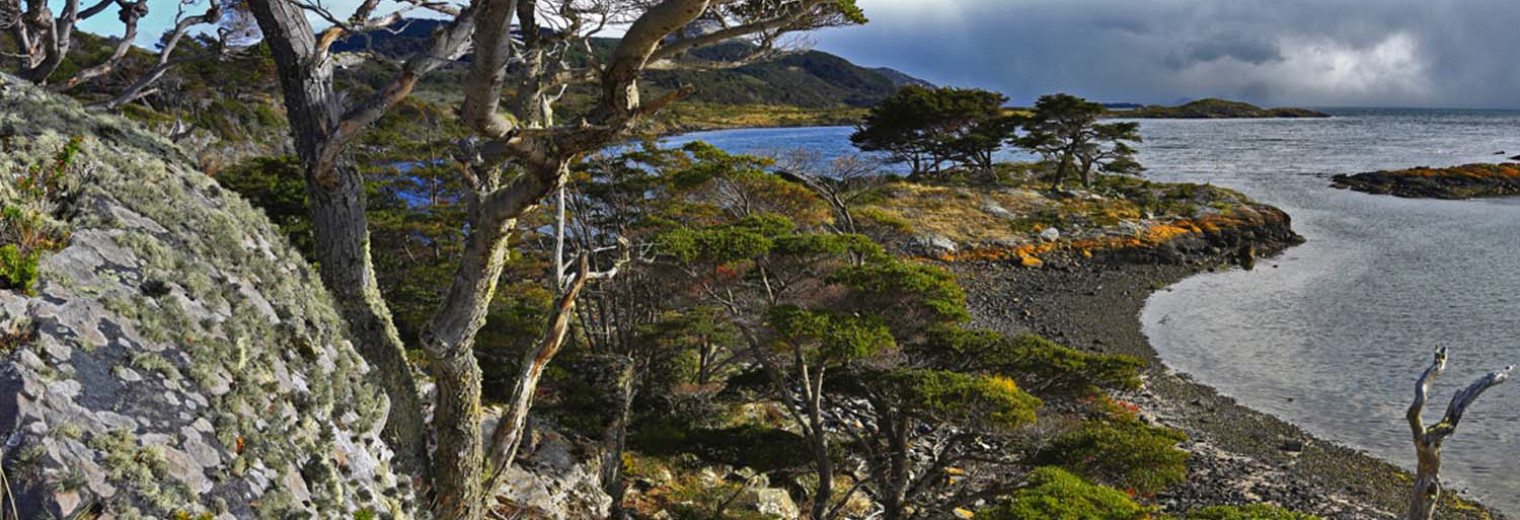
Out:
{"x": 177, "y": 357}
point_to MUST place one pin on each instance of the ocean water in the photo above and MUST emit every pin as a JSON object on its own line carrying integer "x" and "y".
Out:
{"x": 1332, "y": 334}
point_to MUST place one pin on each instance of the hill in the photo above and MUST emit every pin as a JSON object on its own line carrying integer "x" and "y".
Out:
{"x": 808, "y": 79}
{"x": 1213, "y": 108}
{"x": 902, "y": 79}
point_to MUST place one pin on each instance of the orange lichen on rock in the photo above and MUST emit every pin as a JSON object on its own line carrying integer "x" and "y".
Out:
{"x": 1473, "y": 171}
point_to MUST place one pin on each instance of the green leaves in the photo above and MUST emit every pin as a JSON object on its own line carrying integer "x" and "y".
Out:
{"x": 1050, "y": 368}
{"x": 989, "y": 401}
{"x": 828, "y": 337}
{"x": 18, "y": 271}
{"x": 1065, "y": 129}
{"x": 1121, "y": 452}
{"x": 1054, "y": 494}
{"x": 925, "y": 127}
{"x": 908, "y": 290}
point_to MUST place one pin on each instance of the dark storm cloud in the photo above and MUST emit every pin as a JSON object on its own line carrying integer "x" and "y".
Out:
{"x": 1305, "y": 52}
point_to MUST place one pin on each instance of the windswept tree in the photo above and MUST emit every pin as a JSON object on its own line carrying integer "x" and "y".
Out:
{"x": 42, "y": 41}
{"x": 521, "y": 153}
{"x": 1065, "y": 130}
{"x": 926, "y": 127}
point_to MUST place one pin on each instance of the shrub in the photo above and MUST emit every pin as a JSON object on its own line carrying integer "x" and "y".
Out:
{"x": 752, "y": 446}
{"x": 1121, "y": 452}
{"x": 1248, "y": 512}
{"x": 18, "y": 271}
{"x": 1045, "y": 367}
{"x": 27, "y": 220}
{"x": 1054, "y": 494}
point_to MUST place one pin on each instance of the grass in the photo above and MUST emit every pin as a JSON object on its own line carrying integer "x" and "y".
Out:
{"x": 686, "y": 117}
{"x": 1006, "y": 221}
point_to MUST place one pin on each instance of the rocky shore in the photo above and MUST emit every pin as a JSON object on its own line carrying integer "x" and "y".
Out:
{"x": 1239, "y": 455}
{"x": 1457, "y": 182}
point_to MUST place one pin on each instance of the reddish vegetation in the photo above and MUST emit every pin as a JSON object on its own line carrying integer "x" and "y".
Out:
{"x": 1472, "y": 171}
{"x": 1160, "y": 234}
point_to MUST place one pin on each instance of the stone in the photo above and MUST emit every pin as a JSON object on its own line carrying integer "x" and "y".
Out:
{"x": 1050, "y": 234}
{"x": 933, "y": 245}
{"x": 165, "y": 378}
{"x": 997, "y": 210}
{"x": 771, "y": 502}
{"x": 550, "y": 483}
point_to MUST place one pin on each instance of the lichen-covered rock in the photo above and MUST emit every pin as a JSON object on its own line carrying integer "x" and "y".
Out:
{"x": 178, "y": 357}
{"x": 554, "y": 478}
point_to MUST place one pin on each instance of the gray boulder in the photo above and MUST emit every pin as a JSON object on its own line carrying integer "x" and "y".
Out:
{"x": 177, "y": 355}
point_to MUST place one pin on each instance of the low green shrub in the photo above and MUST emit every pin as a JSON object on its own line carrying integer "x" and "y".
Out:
{"x": 28, "y": 206}
{"x": 1054, "y": 494}
{"x": 18, "y": 271}
{"x": 1121, "y": 452}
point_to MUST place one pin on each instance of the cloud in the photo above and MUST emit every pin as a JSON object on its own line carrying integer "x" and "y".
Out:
{"x": 1275, "y": 52}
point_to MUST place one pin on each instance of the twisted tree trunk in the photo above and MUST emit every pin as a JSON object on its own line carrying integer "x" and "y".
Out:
{"x": 1428, "y": 440}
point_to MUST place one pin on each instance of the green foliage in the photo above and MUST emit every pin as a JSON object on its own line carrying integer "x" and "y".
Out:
{"x": 912, "y": 294}
{"x": 830, "y": 337}
{"x": 1054, "y": 494}
{"x": 18, "y": 271}
{"x": 28, "y": 226}
{"x": 276, "y": 185}
{"x": 1065, "y": 130}
{"x": 925, "y": 127}
{"x": 1122, "y": 452}
{"x": 1247, "y": 512}
{"x": 943, "y": 396}
{"x": 1046, "y": 367}
{"x": 751, "y": 445}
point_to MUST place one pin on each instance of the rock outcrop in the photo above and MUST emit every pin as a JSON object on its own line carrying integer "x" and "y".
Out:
{"x": 1453, "y": 183}
{"x": 178, "y": 359}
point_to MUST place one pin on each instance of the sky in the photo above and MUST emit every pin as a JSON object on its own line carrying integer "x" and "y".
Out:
{"x": 1421, "y": 53}
{"x": 1427, "y": 53}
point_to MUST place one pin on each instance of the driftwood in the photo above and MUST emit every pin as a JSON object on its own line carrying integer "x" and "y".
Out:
{"x": 1428, "y": 440}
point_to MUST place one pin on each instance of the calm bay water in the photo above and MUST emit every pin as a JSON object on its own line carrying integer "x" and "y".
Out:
{"x": 1333, "y": 336}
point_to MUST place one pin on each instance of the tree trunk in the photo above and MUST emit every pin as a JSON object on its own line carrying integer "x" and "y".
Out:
{"x": 1427, "y": 483}
{"x": 1060, "y": 174}
{"x": 896, "y": 498}
{"x": 1428, "y": 440}
{"x": 619, "y": 382}
{"x": 341, "y": 228}
{"x": 823, "y": 494}
{"x": 450, "y": 338}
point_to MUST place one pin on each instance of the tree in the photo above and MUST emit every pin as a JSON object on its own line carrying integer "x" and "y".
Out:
{"x": 1065, "y": 130}
{"x": 44, "y": 41}
{"x": 1428, "y": 440}
{"x": 521, "y": 155}
{"x": 925, "y": 127}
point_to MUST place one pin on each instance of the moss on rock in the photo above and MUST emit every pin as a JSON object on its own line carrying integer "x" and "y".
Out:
{"x": 193, "y": 355}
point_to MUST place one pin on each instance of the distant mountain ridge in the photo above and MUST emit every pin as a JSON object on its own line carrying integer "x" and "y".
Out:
{"x": 1213, "y": 108}
{"x": 808, "y": 79}
{"x": 902, "y": 79}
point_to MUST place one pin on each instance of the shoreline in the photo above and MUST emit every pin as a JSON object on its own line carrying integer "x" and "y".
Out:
{"x": 1239, "y": 455}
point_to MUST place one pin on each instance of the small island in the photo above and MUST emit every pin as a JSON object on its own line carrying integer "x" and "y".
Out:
{"x": 1217, "y": 109}
{"x": 1456, "y": 182}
